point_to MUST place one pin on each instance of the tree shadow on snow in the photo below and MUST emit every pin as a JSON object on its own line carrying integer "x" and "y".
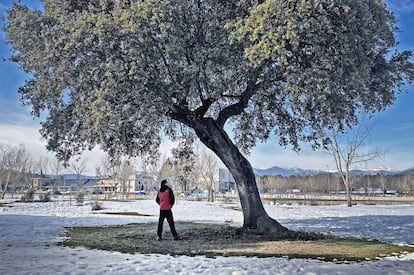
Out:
{"x": 391, "y": 229}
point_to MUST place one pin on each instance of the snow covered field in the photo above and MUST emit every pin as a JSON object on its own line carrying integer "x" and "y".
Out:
{"x": 29, "y": 233}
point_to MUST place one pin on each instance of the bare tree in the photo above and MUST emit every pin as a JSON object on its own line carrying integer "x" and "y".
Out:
{"x": 27, "y": 181}
{"x": 109, "y": 166}
{"x": 79, "y": 166}
{"x": 151, "y": 173}
{"x": 207, "y": 167}
{"x": 383, "y": 182}
{"x": 14, "y": 162}
{"x": 184, "y": 161}
{"x": 121, "y": 170}
{"x": 125, "y": 173}
{"x": 277, "y": 184}
{"x": 166, "y": 171}
{"x": 22, "y": 163}
{"x": 408, "y": 184}
{"x": 42, "y": 165}
{"x": 56, "y": 168}
{"x": 5, "y": 167}
{"x": 346, "y": 150}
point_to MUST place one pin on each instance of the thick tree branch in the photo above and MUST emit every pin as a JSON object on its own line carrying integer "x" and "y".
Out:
{"x": 238, "y": 107}
{"x": 183, "y": 115}
{"x": 204, "y": 107}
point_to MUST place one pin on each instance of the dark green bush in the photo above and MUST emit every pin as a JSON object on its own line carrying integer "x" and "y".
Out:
{"x": 96, "y": 206}
{"x": 44, "y": 197}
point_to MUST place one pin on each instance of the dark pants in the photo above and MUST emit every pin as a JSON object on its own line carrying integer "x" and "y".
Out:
{"x": 166, "y": 214}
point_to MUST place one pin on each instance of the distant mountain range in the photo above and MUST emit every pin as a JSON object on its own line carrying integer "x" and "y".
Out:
{"x": 286, "y": 172}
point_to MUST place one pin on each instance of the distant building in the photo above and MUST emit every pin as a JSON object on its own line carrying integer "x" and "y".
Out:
{"x": 145, "y": 182}
{"x": 68, "y": 182}
{"x": 226, "y": 181}
{"x": 39, "y": 181}
{"x": 138, "y": 182}
{"x": 106, "y": 184}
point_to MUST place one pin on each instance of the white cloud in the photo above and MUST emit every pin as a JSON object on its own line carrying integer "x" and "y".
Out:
{"x": 17, "y": 134}
{"x": 30, "y": 137}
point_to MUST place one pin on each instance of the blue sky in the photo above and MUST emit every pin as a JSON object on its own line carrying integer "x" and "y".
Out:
{"x": 393, "y": 130}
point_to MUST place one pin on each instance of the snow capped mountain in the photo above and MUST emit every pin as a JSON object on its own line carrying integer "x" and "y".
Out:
{"x": 408, "y": 171}
{"x": 375, "y": 171}
{"x": 286, "y": 172}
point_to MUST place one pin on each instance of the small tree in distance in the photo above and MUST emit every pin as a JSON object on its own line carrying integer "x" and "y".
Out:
{"x": 78, "y": 166}
{"x": 347, "y": 150}
{"x": 183, "y": 160}
{"x": 207, "y": 167}
{"x": 14, "y": 160}
{"x": 57, "y": 167}
{"x": 124, "y": 74}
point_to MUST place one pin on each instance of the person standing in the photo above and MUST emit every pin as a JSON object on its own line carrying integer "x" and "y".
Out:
{"x": 165, "y": 199}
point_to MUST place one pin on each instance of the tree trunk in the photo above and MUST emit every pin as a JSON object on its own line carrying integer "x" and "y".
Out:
{"x": 210, "y": 194}
{"x": 255, "y": 217}
{"x": 348, "y": 188}
{"x": 6, "y": 185}
{"x": 347, "y": 183}
{"x": 348, "y": 197}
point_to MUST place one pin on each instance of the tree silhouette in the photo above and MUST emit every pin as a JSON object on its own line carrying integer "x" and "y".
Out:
{"x": 121, "y": 74}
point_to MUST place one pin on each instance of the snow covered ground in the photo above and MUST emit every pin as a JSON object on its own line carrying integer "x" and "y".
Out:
{"x": 29, "y": 232}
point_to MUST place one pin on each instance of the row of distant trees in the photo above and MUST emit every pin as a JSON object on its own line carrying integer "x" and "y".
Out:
{"x": 186, "y": 169}
{"x": 18, "y": 166}
{"x": 332, "y": 183}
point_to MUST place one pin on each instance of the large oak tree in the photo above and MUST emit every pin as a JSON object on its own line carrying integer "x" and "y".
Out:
{"x": 120, "y": 74}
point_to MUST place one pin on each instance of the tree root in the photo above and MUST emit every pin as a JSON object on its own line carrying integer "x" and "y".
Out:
{"x": 266, "y": 226}
{"x": 270, "y": 229}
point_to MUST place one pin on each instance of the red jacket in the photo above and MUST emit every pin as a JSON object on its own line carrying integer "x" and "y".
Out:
{"x": 165, "y": 199}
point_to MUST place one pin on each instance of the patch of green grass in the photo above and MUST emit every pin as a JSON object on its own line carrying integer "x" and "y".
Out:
{"x": 213, "y": 240}
{"x": 5, "y": 204}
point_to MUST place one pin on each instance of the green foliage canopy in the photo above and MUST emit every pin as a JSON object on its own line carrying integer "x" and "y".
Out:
{"x": 121, "y": 73}
{"x": 334, "y": 56}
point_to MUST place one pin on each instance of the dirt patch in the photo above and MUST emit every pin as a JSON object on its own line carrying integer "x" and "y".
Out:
{"x": 223, "y": 240}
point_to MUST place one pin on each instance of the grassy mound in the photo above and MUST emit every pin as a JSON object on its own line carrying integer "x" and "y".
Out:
{"x": 222, "y": 240}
